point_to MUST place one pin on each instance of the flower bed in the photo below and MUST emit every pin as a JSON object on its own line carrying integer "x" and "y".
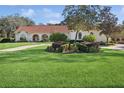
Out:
{"x": 82, "y": 47}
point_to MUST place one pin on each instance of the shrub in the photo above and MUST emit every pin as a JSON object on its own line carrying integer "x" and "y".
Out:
{"x": 23, "y": 39}
{"x": 69, "y": 48}
{"x": 89, "y": 38}
{"x": 72, "y": 41}
{"x": 102, "y": 43}
{"x": 82, "y": 47}
{"x": 93, "y": 49}
{"x": 6, "y": 40}
{"x": 56, "y": 45}
{"x": 50, "y": 49}
{"x": 88, "y": 47}
{"x": 58, "y": 37}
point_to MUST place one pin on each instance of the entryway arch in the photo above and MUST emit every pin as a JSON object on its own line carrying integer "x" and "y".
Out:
{"x": 35, "y": 37}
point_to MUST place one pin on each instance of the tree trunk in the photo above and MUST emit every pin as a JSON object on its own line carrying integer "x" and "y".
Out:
{"x": 107, "y": 38}
{"x": 76, "y": 37}
{"x": 8, "y": 35}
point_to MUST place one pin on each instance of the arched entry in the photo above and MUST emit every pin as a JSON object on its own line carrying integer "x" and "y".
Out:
{"x": 45, "y": 37}
{"x": 23, "y": 38}
{"x": 35, "y": 37}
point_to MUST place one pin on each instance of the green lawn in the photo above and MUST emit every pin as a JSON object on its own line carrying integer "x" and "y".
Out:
{"x": 37, "y": 68}
{"x": 13, "y": 45}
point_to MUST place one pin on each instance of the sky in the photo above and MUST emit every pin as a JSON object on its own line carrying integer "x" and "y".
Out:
{"x": 48, "y": 14}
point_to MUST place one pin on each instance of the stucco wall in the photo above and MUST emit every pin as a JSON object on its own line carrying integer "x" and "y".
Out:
{"x": 71, "y": 35}
{"x": 21, "y": 34}
{"x": 96, "y": 33}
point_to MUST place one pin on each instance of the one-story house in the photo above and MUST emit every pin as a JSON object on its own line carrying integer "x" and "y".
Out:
{"x": 41, "y": 32}
{"x": 118, "y": 36}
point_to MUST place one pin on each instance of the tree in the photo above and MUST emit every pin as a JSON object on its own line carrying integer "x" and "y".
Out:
{"x": 9, "y": 24}
{"x": 81, "y": 17}
{"x": 108, "y": 22}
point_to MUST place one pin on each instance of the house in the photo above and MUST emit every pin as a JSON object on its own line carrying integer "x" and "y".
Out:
{"x": 118, "y": 36}
{"x": 42, "y": 32}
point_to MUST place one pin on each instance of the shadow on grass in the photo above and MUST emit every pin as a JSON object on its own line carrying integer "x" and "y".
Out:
{"x": 38, "y": 55}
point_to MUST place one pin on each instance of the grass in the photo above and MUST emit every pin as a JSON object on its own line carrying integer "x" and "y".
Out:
{"x": 37, "y": 68}
{"x": 17, "y": 44}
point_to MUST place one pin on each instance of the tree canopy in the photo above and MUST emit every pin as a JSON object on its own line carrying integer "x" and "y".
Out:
{"x": 108, "y": 22}
{"x": 8, "y": 24}
{"x": 81, "y": 17}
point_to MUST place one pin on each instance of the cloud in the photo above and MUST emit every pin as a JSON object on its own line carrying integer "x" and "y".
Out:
{"x": 48, "y": 13}
{"x": 45, "y": 15}
{"x": 28, "y": 13}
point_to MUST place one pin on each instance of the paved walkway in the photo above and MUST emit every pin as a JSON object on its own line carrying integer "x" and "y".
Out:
{"x": 115, "y": 47}
{"x": 21, "y": 48}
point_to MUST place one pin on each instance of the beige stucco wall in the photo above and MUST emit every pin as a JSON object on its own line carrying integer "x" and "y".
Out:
{"x": 21, "y": 34}
{"x": 71, "y": 35}
{"x": 96, "y": 33}
{"x": 29, "y": 36}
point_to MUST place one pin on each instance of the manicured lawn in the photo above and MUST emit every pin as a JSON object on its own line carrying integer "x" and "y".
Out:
{"x": 13, "y": 45}
{"x": 37, "y": 68}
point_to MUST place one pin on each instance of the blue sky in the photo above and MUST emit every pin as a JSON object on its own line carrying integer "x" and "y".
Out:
{"x": 48, "y": 14}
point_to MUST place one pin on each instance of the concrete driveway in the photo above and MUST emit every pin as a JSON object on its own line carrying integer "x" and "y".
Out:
{"x": 21, "y": 48}
{"x": 115, "y": 47}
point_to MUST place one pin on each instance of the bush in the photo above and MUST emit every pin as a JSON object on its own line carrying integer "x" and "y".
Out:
{"x": 23, "y": 39}
{"x": 89, "y": 38}
{"x": 50, "y": 49}
{"x": 56, "y": 47}
{"x": 88, "y": 47}
{"x": 103, "y": 43}
{"x": 58, "y": 37}
{"x": 82, "y": 47}
{"x": 6, "y": 40}
{"x": 72, "y": 41}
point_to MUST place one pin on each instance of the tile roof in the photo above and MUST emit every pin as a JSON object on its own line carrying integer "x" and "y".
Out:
{"x": 43, "y": 28}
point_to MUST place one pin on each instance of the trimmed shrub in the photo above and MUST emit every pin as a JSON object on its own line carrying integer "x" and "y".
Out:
{"x": 89, "y": 38}
{"x": 23, "y": 39}
{"x": 69, "y": 48}
{"x": 88, "y": 47}
{"x": 72, "y": 41}
{"x": 102, "y": 43}
{"x": 82, "y": 47}
{"x": 58, "y": 37}
{"x": 50, "y": 49}
{"x": 56, "y": 45}
{"x": 7, "y": 40}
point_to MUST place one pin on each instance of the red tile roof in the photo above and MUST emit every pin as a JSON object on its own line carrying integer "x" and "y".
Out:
{"x": 43, "y": 28}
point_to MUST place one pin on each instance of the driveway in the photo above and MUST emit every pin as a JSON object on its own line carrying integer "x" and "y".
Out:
{"x": 115, "y": 47}
{"x": 22, "y": 48}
